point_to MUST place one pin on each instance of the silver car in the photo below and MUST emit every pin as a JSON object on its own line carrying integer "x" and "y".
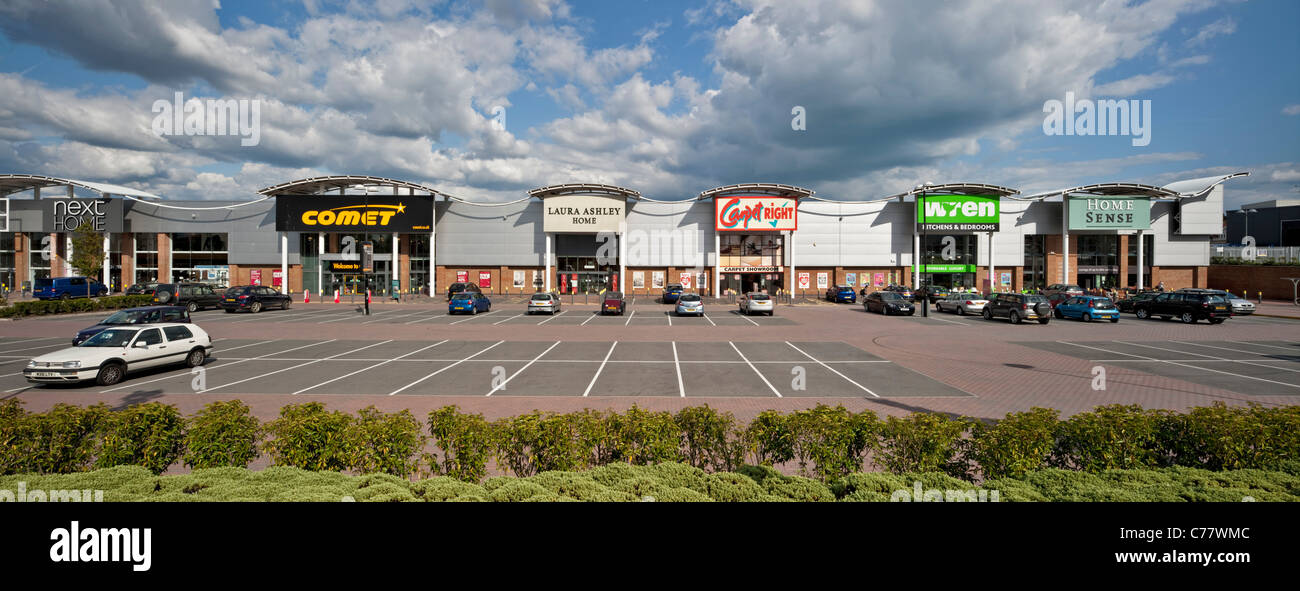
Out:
{"x": 962, "y": 303}
{"x": 544, "y": 302}
{"x": 756, "y": 303}
{"x": 1240, "y": 305}
{"x": 690, "y": 303}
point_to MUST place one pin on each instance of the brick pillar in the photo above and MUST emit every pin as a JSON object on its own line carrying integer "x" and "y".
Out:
{"x": 164, "y": 258}
{"x": 1123, "y": 260}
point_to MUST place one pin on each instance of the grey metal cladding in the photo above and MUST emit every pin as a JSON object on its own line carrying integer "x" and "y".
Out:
{"x": 471, "y": 235}
{"x": 250, "y": 230}
{"x": 1202, "y": 215}
{"x": 25, "y": 216}
{"x": 853, "y": 234}
{"x": 1172, "y": 249}
{"x": 676, "y": 234}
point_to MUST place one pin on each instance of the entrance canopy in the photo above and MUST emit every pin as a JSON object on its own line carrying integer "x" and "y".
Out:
{"x": 17, "y": 183}
{"x": 334, "y": 184}
{"x": 774, "y": 189}
{"x": 584, "y": 189}
{"x": 957, "y": 189}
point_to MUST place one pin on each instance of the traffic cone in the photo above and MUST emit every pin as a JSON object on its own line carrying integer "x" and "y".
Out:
{"x": 306, "y": 296}
{"x": 336, "y": 296}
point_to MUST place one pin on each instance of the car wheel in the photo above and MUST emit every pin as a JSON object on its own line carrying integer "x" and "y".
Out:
{"x": 195, "y": 358}
{"x": 1143, "y": 314}
{"x": 1044, "y": 320}
{"x": 1114, "y": 320}
{"x": 287, "y": 304}
{"x": 473, "y": 311}
{"x": 884, "y": 310}
{"x": 256, "y": 307}
{"x": 103, "y": 292}
{"x": 961, "y": 311}
{"x": 192, "y": 307}
{"x": 1085, "y": 317}
{"x": 110, "y": 374}
{"x": 64, "y": 296}
{"x": 1015, "y": 317}
{"x": 1188, "y": 318}
{"x": 1056, "y": 312}
{"x": 987, "y": 314}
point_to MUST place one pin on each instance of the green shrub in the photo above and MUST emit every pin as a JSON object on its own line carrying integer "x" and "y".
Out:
{"x": 537, "y": 442}
{"x": 309, "y": 437}
{"x": 711, "y": 440}
{"x": 1109, "y": 437}
{"x": 515, "y": 490}
{"x": 223, "y": 433}
{"x": 150, "y": 435}
{"x": 466, "y": 442}
{"x": 43, "y": 307}
{"x": 385, "y": 442}
{"x": 832, "y": 439}
{"x": 65, "y": 438}
{"x": 1022, "y": 442}
{"x": 645, "y": 437}
{"x": 923, "y": 442}
{"x": 729, "y": 487}
{"x": 595, "y": 436}
{"x": 797, "y": 489}
{"x": 17, "y": 452}
{"x": 1220, "y": 437}
{"x": 770, "y": 438}
{"x": 445, "y": 488}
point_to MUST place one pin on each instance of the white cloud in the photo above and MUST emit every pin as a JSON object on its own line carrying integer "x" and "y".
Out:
{"x": 1291, "y": 110}
{"x": 1221, "y": 27}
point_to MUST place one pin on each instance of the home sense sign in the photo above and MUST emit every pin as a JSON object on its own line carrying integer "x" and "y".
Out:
{"x": 735, "y": 214}
{"x": 1110, "y": 213}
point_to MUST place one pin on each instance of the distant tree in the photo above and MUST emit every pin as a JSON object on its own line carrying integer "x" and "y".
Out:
{"x": 87, "y": 252}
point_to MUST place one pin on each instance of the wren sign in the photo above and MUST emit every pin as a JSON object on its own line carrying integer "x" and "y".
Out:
{"x": 66, "y": 215}
{"x": 741, "y": 214}
{"x": 961, "y": 213}
{"x": 583, "y": 213}
{"x": 1110, "y": 213}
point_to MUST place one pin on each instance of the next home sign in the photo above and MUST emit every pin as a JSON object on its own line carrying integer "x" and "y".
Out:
{"x": 1110, "y": 213}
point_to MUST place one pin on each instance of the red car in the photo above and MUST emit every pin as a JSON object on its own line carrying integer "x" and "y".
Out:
{"x": 612, "y": 303}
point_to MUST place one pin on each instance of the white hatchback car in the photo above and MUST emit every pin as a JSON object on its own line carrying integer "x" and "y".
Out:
{"x": 109, "y": 355}
{"x": 756, "y": 303}
{"x": 690, "y": 304}
{"x": 544, "y": 302}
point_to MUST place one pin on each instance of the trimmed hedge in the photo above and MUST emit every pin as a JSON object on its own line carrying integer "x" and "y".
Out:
{"x": 671, "y": 482}
{"x": 825, "y": 443}
{"x": 44, "y": 307}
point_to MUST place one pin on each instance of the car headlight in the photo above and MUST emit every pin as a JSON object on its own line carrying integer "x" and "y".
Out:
{"x": 71, "y": 364}
{"x": 31, "y": 363}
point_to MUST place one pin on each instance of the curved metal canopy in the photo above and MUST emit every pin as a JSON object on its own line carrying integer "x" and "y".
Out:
{"x": 959, "y": 189}
{"x": 319, "y": 185}
{"x": 584, "y": 189}
{"x": 17, "y": 183}
{"x": 776, "y": 189}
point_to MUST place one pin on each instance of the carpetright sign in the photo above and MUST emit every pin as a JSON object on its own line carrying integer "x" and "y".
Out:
{"x": 745, "y": 213}
{"x": 948, "y": 213}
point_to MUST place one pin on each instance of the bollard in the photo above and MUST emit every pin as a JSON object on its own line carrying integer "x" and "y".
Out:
{"x": 1259, "y": 297}
{"x": 306, "y": 296}
{"x": 336, "y": 296}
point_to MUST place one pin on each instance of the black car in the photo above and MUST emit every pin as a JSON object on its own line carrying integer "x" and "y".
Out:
{"x": 134, "y": 316}
{"x": 888, "y": 303}
{"x": 1018, "y": 307}
{"x": 194, "y": 296}
{"x": 930, "y": 293}
{"x": 254, "y": 298}
{"x": 1187, "y": 307}
{"x": 459, "y": 287}
{"x": 142, "y": 288}
{"x": 1126, "y": 304}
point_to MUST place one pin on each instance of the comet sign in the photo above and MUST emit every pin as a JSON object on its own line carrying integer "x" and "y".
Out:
{"x": 752, "y": 213}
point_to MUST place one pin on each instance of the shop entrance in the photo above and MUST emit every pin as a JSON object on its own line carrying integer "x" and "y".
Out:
{"x": 586, "y": 281}
{"x": 950, "y": 280}
{"x": 742, "y": 283}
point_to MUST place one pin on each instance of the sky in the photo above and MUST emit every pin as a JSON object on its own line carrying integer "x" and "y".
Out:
{"x": 486, "y": 100}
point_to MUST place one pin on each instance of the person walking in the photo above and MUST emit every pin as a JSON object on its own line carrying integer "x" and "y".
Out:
{"x": 367, "y": 301}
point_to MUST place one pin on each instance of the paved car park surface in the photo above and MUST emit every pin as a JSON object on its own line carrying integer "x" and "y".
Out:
{"x": 506, "y": 362}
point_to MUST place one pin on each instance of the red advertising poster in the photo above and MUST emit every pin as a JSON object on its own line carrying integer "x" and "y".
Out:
{"x": 880, "y": 279}
{"x": 277, "y": 278}
{"x": 255, "y": 277}
{"x": 803, "y": 281}
{"x": 484, "y": 279}
{"x": 685, "y": 280}
{"x": 462, "y": 276}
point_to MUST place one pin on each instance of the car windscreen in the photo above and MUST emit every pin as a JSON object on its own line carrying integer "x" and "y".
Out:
{"x": 236, "y": 291}
{"x": 541, "y": 297}
{"x": 126, "y": 317}
{"x": 889, "y": 295}
{"x": 759, "y": 297}
{"x": 113, "y": 337}
{"x": 674, "y": 288}
{"x": 1215, "y": 299}
{"x": 613, "y": 295}
{"x": 460, "y": 297}
{"x": 1103, "y": 303}
{"x": 1034, "y": 299}
{"x": 43, "y": 283}
{"x": 690, "y": 297}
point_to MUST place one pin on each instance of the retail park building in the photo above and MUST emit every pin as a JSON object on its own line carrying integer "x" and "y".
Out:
{"x": 584, "y": 238}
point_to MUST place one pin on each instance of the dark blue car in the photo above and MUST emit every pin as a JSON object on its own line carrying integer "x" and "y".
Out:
{"x": 132, "y": 317}
{"x": 842, "y": 293}
{"x": 63, "y": 288}
{"x": 672, "y": 292}
{"x": 1087, "y": 309}
{"x": 469, "y": 303}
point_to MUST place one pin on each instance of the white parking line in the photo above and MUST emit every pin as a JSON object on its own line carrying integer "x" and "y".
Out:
{"x": 367, "y": 368}
{"x": 1215, "y": 358}
{"x": 186, "y": 370}
{"x": 507, "y": 319}
{"x": 629, "y": 316}
{"x": 584, "y": 322}
{"x": 343, "y": 316}
{"x": 746, "y": 317}
{"x": 393, "y": 317}
{"x": 1230, "y": 349}
{"x": 818, "y": 361}
{"x": 248, "y": 345}
{"x": 751, "y": 366}
{"x": 1291, "y": 349}
{"x": 473, "y": 317}
{"x": 502, "y": 385}
{"x": 485, "y": 349}
{"x": 4, "y": 343}
{"x": 598, "y": 370}
{"x": 67, "y": 343}
{"x": 945, "y": 320}
{"x": 670, "y": 318}
{"x": 423, "y": 319}
{"x": 1183, "y": 365}
{"x": 553, "y": 316}
{"x": 706, "y": 317}
{"x": 271, "y": 373}
{"x": 680, "y": 387}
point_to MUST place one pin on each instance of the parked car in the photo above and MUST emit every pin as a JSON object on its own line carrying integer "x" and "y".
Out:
{"x": 1240, "y": 305}
{"x": 962, "y": 303}
{"x": 888, "y": 303}
{"x": 254, "y": 298}
{"x": 612, "y": 303}
{"x": 1187, "y": 307}
{"x": 134, "y": 316}
{"x": 671, "y": 292}
{"x": 757, "y": 303}
{"x": 544, "y": 302}
{"x": 930, "y": 293}
{"x": 1064, "y": 288}
{"x": 690, "y": 303}
{"x": 1126, "y": 304}
{"x": 194, "y": 296}
{"x": 461, "y": 287}
{"x": 1018, "y": 307}
{"x": 108, "y": 356}
{"x": 1087, "y": 309}
{"x": 841, "y": 293}
{"x": 141, "y": 288}
{"x": 63, "y": 288}
{"x": 469, "y": 302}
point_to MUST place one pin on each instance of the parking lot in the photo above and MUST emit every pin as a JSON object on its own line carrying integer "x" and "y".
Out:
{"x": 502, "y": 315}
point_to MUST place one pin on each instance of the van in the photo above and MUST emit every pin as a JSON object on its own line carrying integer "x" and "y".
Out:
{"x": 62, "y": 288}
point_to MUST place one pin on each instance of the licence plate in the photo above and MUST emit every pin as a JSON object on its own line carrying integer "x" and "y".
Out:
{"x": 1220, "y": 308}
{"x": 230, "y": 299}
{"x": 45, "y": 374}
